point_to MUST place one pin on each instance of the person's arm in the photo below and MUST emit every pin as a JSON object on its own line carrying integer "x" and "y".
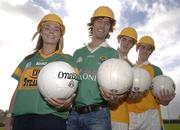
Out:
{"x": 9, "y": 117}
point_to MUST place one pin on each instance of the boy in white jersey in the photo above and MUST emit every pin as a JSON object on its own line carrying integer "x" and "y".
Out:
{"x": 144, "y": 108}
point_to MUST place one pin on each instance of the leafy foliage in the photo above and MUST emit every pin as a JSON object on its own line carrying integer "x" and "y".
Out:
{"x": 2, "y": 117}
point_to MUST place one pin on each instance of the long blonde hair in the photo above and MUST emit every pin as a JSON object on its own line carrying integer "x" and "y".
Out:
{"x": 39, "y": 45}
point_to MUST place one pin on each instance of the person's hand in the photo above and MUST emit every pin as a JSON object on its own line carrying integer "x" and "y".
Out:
{"x": 105, "y": 94}
{"x": 112, "y": 96}
{"x": 135, "y": 96}
{"x": 61, "y": 104}
{"x": 8, "y": 123}
{"x": 117, "y": 97}
{"x": 164, "y": 97}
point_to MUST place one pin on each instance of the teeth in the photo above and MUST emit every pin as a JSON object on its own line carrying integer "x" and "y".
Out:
{"x": 100, "y": 30}
{"x": 51, "y": 36}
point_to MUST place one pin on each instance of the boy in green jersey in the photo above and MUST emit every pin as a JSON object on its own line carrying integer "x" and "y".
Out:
{"x": 90, "y": 110}
{"x": 29, "y": 110}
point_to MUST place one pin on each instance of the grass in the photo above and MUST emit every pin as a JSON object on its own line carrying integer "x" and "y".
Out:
{"x": 167, "y": 126}
{"x": 172, "y": 126}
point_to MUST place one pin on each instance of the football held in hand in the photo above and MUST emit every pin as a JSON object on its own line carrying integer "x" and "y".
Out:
{"x": 115, "y": 74}
{"x": 57, "y": 80}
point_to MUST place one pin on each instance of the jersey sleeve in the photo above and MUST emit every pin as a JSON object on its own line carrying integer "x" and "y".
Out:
{"x": 75, "y": 55}
{"x": 116, "y": 54}
{"x": 72, "y": 62}
{"x": 157, "y": 71}
{"x": 18, "y": 71}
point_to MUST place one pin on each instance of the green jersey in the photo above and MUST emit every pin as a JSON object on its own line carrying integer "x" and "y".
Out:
{"x": 28, "y": 98}
{"x": 88, "y": 63}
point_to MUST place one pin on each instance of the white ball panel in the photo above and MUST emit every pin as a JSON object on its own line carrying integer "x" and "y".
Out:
{"x": 54, "y": 84}
{"x": 162, "y": 82}
{"x": 115, "y": 74}
{"x": 141, "y": 79}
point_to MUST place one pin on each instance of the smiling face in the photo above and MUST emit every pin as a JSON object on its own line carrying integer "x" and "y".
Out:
{"x": 101, "y": 27}
{"x": 126, "y": 43}
{"x": 50, "y": 33}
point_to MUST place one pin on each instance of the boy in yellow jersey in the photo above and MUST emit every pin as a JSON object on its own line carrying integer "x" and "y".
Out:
{"x": 127, "y": 38}
{"x": 144, "y": 108}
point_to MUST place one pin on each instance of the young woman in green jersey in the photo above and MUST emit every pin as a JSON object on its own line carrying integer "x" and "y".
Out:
{"x": 29, "y": 110}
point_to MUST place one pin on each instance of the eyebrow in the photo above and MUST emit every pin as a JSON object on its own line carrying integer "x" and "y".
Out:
{"x": 147, "y": 46}
{"x": 56, "y": 26}
{"x": 128, "y": 39}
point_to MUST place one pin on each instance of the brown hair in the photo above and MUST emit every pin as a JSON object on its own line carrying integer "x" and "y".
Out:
{"x": 39, "y": 46}
{"x": 90, "y": 27}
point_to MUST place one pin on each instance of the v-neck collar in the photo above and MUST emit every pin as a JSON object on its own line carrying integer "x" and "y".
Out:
{"x": 47, "y": 56}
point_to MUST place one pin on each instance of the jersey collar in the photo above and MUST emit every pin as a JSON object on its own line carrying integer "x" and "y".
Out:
{"x": 140, "y": 65}
{"x": 47, "y": 56}
{"x": 103, "y": 44}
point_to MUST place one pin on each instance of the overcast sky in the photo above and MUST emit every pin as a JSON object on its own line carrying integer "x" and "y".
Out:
{"x": 158, "y": 18}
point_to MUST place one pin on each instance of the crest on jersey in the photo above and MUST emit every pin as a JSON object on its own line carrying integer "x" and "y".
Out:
{"x": 103, "y": 58}
{"x": 79, "y": 59}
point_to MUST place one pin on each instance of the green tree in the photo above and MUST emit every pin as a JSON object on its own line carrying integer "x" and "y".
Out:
{"x": 2, "y": 117}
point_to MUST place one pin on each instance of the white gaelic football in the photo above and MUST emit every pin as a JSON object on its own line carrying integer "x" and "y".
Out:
{"x": 141, "y": 80}
{"x": 57, "y": 80}
{"x": 115, "y": 74}
{"x": 162, "y": 82}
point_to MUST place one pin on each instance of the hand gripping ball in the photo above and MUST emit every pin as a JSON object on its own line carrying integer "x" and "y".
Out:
{"x": 141, "y": 80}
{"x": 115, "y": 74}
{"x": 57, "y": 80}
{"x": 162, "y": 82}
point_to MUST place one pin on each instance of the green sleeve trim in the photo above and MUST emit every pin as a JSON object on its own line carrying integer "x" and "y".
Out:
{"x": 157, "y": 71}
{"x": 15, "y": 77}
